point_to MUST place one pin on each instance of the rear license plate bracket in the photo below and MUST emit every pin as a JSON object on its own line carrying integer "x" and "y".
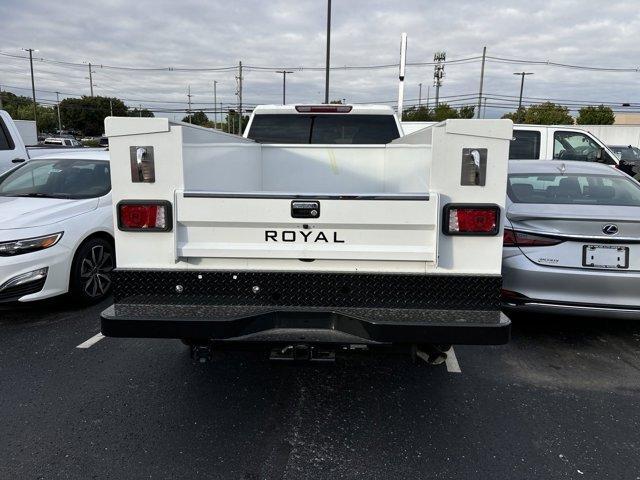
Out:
{"x": 605, "y": 256}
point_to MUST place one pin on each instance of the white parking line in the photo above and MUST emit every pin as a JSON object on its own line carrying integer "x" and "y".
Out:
{"x": 452, "y": 362}
{"x": 93, "y": 340}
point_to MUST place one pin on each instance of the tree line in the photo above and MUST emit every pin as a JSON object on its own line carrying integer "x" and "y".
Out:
{"x": 546, "y": 113}
{"x": 83, "y": 115}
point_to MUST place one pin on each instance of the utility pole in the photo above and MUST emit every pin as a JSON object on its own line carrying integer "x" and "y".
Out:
{"x": 328, "y": 60}
{"x": 522, "y": 75}
{"x": 90, "y": 78}
{"x": 438, "y": 73}
{"x": 33, "y": 85}
{"x": 215, "y": 104}
{"x": 484, "y": 55}
{"x": 140, "y": 110}
{"x": 284, "y": 85}
{"x": 420, "y": 95}
{"x": 59, "y": 121}
{"x": 239, "y": 98}
{"x": 189, "y": 100}
{"x": 0, "y": 97}
{"x": 428, "y": 92}
{"x": 111, "y": 106}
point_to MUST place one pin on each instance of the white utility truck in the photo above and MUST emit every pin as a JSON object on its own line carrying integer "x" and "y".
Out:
{"x": 323, "y": 228}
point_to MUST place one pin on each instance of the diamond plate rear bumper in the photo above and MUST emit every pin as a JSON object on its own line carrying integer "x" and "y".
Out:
{"x": 336, "y": 308}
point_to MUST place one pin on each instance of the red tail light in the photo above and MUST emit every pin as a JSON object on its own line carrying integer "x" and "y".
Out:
{"x": 143, "y": 215}
{"x": 323, "y": 108}
{"x": 471, "y": 219}
{"x": 514, "y": 238}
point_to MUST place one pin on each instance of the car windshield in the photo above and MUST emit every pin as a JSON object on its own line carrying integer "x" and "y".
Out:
{"x": 59, "y": 178}
{"x": 631, "y": 154}
{"x": 578, "y": 189}
{"x": 332, "y": 128}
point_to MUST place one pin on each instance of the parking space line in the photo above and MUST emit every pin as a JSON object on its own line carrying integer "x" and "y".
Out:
{"x": 452, "y": 362}
{"x": 92, "y": 341}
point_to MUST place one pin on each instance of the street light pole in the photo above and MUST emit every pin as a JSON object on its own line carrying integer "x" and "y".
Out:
{"x": 284, "y": 84}
{"x": 328, "y": 61}
{"x": 33, "y": 85}
{"x": 420, "y": 95}
{"x": 522, "y": 75}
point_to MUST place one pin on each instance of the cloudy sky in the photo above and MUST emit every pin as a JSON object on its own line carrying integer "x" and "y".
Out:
{"x": 291, "y": 33}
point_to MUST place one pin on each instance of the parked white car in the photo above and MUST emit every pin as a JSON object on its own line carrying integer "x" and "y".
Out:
{"x": 56, "y": 228}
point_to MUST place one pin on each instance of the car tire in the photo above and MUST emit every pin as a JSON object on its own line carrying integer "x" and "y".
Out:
{"x": 93, "y": 263}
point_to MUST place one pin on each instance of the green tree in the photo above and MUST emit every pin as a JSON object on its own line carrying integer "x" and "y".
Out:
{"x": 548, "y": 113}
{"x": 87, "y": 114}
{"x": 443, "y": 111}
{"x": 197, "y": 118}
{"x": 599, "y": 115}
{"x": 417, "y": 114}
{"x": 140, "y": 113}
{"x": 231, "y": 122}
{"x": 468, "y": 111}
{"x": 21, "y": 108}
{"x": 517, "y": 116}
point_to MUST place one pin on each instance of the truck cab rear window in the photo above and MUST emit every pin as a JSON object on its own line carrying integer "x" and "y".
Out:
{"x": 525, "y": 145}
{"x": 324, "y": 129}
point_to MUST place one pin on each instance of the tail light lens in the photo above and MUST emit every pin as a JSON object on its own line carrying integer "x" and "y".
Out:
{"x": 145, "y": 216}
{"x": 514, "y": 238}
{"x": 471, "y": 220}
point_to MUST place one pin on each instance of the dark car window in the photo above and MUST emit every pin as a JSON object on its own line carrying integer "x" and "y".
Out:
{"x": 348, "y": 129}
{"x": 577, "y": 189}
{"x": 525, "y": 145}
{"x": 59, "y": 178}
{"x": 628, "y": 153}
{"x": 5, "y": 139}
{"x": 577, "y": 146}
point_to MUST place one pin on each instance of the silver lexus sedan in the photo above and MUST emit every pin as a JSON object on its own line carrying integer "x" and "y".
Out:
{"x": 571, "y": 240}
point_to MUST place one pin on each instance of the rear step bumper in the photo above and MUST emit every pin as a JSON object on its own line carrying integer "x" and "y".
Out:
{"x": 306, "y": 324}
{"x": 293, "y": 307}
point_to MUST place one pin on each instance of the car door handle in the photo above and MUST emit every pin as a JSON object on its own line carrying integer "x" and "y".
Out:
{"x": 18, "y": 160}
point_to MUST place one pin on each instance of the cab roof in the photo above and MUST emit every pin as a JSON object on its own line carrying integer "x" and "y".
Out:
{"x": 355, "y": 109}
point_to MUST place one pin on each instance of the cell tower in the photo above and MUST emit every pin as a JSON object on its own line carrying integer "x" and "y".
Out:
{"x": 438, "y": 72}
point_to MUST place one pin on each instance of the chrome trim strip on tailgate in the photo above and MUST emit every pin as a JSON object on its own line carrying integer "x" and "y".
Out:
{"x": 311, "y": 196}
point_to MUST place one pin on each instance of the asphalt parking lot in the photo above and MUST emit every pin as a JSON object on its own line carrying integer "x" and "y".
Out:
{"x": 562, "y": 400}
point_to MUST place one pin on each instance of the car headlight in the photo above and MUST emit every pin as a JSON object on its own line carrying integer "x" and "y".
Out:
{"x": 26, "y": 245}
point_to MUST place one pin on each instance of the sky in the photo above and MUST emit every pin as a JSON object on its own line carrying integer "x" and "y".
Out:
{"x": 291, "y": 34}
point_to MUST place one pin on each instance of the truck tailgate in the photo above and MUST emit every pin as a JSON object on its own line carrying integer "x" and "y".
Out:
{"x": 352, "y": 227}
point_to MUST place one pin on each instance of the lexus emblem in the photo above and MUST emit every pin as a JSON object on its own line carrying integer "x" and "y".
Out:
{"x": 610, "y": 229}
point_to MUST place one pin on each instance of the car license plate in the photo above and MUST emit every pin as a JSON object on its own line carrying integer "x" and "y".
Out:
{"x": 605, "y": 256}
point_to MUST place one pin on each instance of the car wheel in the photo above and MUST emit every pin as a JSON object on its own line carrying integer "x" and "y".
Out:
{"x": 91, "y": 270}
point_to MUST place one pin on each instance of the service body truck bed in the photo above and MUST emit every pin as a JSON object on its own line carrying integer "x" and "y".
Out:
{"x": 226, "y": 239}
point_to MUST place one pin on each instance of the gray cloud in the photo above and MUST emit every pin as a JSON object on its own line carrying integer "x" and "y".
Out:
{"x": 291, "y": 33}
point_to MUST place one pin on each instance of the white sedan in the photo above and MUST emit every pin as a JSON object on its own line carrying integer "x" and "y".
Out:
{"x": 56, "y": 228}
